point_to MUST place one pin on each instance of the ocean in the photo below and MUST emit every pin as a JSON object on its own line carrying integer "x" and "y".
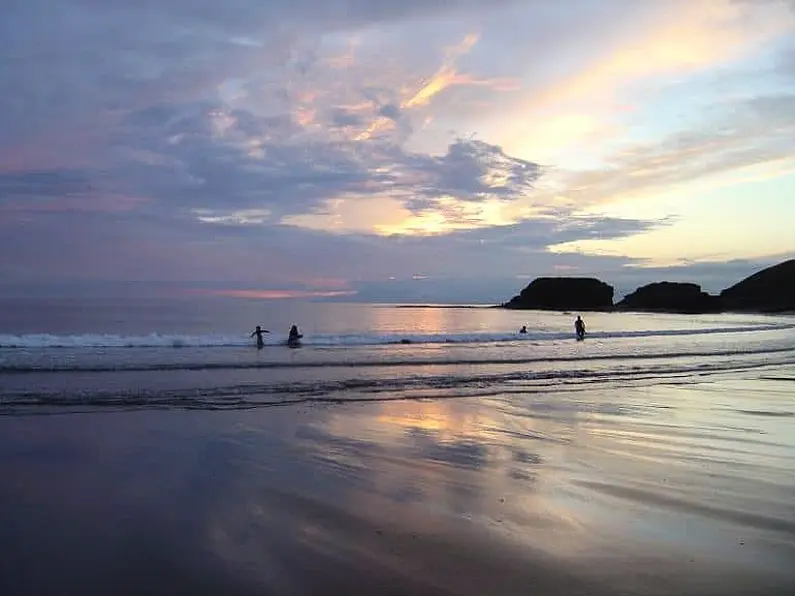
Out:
{"x": 199, "y": 354}
{"x": 149, "y": 447}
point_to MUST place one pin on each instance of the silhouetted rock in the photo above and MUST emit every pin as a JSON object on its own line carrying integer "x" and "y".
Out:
{"x": 769, "y": 290}
{"x": 564, "y": 293}
{"x": 666, "y": 296}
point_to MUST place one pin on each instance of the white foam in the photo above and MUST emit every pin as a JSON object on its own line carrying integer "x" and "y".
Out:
{"x": 153, "y": 340}
{"x": 157, "y": 340}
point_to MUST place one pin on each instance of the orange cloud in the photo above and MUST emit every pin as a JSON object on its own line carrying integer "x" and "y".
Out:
{"x": 347, "y": 214}
{"x": 441, "y": 80}
{"x": 445, "y": 77}
{"x": 697, "y": 35}
{"x": 374, "y": 127}
{"x": 304, "y": 116}
{"x": 579, "y": 110}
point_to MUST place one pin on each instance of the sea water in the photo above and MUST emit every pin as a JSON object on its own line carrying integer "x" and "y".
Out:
{"x": 69, "y": 355}
{"x": 149, "y": 447}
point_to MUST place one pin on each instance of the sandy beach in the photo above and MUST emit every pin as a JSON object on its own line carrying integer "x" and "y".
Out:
{"x": 666, "y": 489}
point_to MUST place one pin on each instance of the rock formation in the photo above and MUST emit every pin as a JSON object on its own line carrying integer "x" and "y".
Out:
{"x": 769, "y": 290}
{"x": 564, "y": 293}
{"x": 670, "y": 297}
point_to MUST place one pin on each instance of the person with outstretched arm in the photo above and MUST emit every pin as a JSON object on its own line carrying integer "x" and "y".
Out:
{"x": 258, "y": 331}
{"x": 579, "y": 327}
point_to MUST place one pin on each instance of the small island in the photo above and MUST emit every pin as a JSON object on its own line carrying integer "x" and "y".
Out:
{"x": 767, "y": 291}
{"x": 564, "y": 293}
{"x": 673, "y": 297}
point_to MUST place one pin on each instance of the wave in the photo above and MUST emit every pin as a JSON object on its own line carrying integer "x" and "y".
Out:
{"x": 158, "y": 340}
{"x": 392, "y": 363}
{"x": 247, "y": 396}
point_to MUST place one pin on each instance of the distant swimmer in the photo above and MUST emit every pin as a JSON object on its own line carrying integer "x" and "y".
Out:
{"x": 258, "y": 331}
{"x": 579, "y": 327}
{"x": 292, "y": 339}
{"x": 523, "y": 329}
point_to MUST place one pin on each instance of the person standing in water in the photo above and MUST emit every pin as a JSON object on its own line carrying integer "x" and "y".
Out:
{"x": 258, "y": 331}
{"x": 523, "y": 329}
{"x": 579, "y": 327}
{"x": 294, "y": 334}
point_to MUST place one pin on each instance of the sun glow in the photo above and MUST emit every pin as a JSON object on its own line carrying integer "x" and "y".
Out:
{"x": 450, "y": 215}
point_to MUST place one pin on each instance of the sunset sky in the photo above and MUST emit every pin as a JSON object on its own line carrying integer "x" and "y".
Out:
{"x": 441, "y": 150}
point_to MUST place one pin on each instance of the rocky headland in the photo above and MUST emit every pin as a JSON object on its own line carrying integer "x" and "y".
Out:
{"x": 769, "y": 290}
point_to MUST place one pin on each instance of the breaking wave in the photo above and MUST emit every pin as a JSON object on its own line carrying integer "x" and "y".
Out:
{"x": 204, "y": 365}
{"x": 157, "y": 340}
{"x": 47, "y": 373}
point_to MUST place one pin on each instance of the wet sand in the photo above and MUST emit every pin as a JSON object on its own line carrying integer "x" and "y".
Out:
{"x": 671, "y": 489}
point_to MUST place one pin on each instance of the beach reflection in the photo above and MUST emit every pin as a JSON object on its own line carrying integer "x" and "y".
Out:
{"x": 470, "y": 459}
{"x": 388, "y": 319}
{"x": 446, "y": 419}
{"x": 581, "y": 492}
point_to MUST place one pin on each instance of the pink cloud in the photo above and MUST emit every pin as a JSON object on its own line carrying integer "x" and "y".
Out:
{"x": 275, "y": 294}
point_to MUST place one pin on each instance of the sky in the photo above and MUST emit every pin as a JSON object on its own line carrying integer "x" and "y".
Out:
{"x": 432, "y": 150}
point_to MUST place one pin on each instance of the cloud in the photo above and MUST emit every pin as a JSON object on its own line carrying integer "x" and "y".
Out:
{"x": 274, "y": 143}
{"x": 674, "y": 65}
{"x": 673, "y": 39}
{"x": 33, "y": 184}
{"x": 263, "y": 150}
{"x": 87, "y": 59}
{"x": 224, "y": 161}
{"x": 732, "y": 138}
{"x": 278, "y": 294}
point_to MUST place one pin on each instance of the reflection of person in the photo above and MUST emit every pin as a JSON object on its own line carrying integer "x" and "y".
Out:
{"x": 258, "y": 331}
{"x": 294, "y": 335}
{"x": 579, "y": 327}
{"x": 523, "y": 329}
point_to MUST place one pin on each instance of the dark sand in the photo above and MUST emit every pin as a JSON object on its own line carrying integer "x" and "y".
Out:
{"x": 670, "y": 490}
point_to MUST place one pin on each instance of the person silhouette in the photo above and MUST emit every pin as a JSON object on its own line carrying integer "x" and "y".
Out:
{"x": 523, "y": 329}
{"x": 579, "y": 327}
{"x": 258, "y": 331}
{"x": 294, "y": 335}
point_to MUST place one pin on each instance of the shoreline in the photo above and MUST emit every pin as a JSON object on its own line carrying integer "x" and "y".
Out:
{"x": 597, "y": 492}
